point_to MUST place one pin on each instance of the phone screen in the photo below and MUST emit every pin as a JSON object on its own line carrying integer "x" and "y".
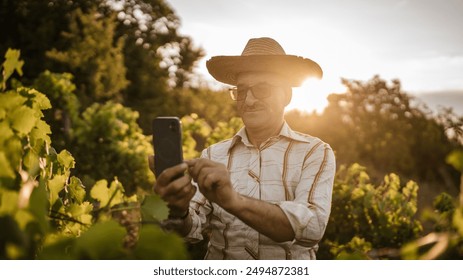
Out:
{"x": 167, "y": 142}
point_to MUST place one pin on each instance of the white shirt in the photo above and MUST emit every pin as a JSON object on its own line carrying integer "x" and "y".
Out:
{"x": 292, "y": 170}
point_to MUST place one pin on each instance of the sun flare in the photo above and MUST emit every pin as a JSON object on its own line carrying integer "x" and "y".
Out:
{"x": 312, "y": 95}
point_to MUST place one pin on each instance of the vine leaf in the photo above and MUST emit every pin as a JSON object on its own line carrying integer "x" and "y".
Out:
{"x": 23, "y": 119}
{"x": 102, "y": 241}
{"x": 12, "y": 63}
{"x": 5, "y": 167}
{"x": 100, "y": 192}
{"x": 77, "y": 189}
{"x": 154, "y": 209}
{"x": 66, "y": 159}
{"x": 55, "y": 185}
{"x": 149, "y": 247}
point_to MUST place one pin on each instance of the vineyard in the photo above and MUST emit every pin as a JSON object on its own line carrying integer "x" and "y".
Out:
{"x": 47, "y": 212}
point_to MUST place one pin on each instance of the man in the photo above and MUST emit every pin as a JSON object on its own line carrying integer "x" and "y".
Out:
{"x": 265, "y": 193}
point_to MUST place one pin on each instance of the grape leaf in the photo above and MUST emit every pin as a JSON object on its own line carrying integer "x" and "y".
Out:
{"x": 103, "y": 241}
{"x": 23, "y": 218}
{"x": 155, "y": 244}
{"x": 77, "y": 210}
{"x": 100, "y": 192}
{"x": 11, "y": 100}
{"x": 8, "y": 201}
{"x": 77, "y": 189}
{"x": 455, "y": 159}
{"x": 40, "y": 131}
{"x": 66, "y": 159}
{"x": 23, "y": 120}
{"x": 40, "y": 99}
{"x": 153, "y": 209}
{"x": 38, "y": 205}
{"x": 12, "y": 63}
{"x": 5, "y": 167}
{"x": 55, "y": 185}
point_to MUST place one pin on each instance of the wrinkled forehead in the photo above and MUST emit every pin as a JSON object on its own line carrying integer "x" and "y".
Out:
{"x": 250, "y": 78}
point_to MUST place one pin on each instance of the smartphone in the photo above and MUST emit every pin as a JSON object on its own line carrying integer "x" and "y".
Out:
{"x": 167, "y": 142}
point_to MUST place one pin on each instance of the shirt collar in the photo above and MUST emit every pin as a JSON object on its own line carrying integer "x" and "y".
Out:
{"x": 286, "y": 131}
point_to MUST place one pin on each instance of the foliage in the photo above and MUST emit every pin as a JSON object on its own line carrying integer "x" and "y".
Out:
{"x": 109, "y": 143}
{"x": 97, "y": 64}
{"x": 59, "y": 89}
{"x": 365, "y": 216}
{"x": 446, "y": 241}
{"x": 377, "y": 125}
{"x": 47, "y": 213}
{"x": 126, "y": 51}
{"x": 198, "y": 134}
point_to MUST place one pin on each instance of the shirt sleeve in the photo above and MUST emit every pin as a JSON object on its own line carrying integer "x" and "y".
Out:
{"x": 309, "y": 212}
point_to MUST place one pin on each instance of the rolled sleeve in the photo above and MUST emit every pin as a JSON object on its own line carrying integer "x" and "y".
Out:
{"x": 309, "y": 212}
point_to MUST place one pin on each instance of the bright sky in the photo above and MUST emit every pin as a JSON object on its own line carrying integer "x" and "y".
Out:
{"x": 419, "y": 42}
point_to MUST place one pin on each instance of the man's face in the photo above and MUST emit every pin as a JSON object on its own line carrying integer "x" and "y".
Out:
{"x": 263, "y": 109}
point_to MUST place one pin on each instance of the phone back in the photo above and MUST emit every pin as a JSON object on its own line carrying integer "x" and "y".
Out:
{"x": 167, "y": 142}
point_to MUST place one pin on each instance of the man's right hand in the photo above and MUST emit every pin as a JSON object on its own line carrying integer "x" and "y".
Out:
{"x": 174, "y": 186}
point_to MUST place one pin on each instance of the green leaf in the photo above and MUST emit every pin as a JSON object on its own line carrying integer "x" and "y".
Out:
{"x": 55, "y": 185}
{"x": 100, "y": 192}
{"x": 77, "y": 210}
{"x": 8, "y": 202}
{"x": 40, "y": 131}
{"x": 154, "y": 208}
{"x": 77, "y": 189}
{"x": 155, "y": 244}
{"x": 23, "y": 218}
{"x": 66, "y": 159}
{"x": 38, "y": 205}
{"x": 58, "y": 250}
{"x": 5, "y": 131}
{"x": 102, "y": 241}
{"x": 5, "y": 167}
{"x": 23, "y": 120}
{"x": 40, "y": 99}
{"x": 31, "y": 162}
{"x": 455, "y": 159}
{"x": 12, "y": 63}
{"x": 11, "y": 100}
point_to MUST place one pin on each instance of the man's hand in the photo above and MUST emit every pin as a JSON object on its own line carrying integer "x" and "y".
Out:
{"x": 175, "y": 188}
{"x": 213, "y": 181}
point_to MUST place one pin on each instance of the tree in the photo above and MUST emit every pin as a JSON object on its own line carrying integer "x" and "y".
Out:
{"x": 104, "y": 44}
{"x": 94, "y": 57}
{"x": 376, "y": 124}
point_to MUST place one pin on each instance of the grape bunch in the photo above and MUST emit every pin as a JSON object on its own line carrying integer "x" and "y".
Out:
{"x": 128, "y": 215}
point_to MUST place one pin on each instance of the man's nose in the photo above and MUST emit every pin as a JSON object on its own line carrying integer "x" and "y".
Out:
{"x": 250, "y": 98}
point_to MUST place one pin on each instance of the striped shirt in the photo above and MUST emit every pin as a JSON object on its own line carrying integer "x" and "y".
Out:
{"x": 292, "y": 170}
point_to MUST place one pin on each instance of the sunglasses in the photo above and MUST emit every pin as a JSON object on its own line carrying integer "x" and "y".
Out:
{"x": 259, "y": 91}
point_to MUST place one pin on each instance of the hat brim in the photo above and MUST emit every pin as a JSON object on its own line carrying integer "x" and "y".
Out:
{"x": 295, "y": 69}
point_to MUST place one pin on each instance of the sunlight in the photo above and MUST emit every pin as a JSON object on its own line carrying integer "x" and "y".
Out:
{"x": 312, "y": 95}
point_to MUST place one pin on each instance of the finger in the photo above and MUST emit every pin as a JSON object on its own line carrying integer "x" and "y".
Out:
{"x": 169, "y": 174}
{"x": 191, "y": 162}
{"x": 172, "y": 187}
{"x": 204, "y": 173}
{"x": 177, "y": 188}
{"x": 196, "y": 169}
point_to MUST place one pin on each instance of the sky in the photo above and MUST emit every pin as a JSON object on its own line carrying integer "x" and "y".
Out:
{"x": 419, "y": 42}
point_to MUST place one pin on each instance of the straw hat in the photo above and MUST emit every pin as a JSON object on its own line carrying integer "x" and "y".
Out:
{"x": 263, "y": 54}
